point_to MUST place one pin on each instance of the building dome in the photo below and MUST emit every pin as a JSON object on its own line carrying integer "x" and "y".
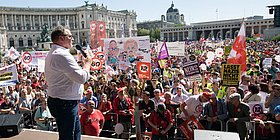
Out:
{"x": 170, "y": 10}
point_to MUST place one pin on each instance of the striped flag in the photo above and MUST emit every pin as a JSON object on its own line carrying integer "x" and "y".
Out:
{"x": 238, "y": 52}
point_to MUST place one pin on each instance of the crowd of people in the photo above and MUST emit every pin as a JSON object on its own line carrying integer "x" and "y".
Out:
{"x": 166, "y": 100}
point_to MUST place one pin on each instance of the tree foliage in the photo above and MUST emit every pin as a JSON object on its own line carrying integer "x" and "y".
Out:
{"x": 153, "y": 33}
{"x": 276, "y": 38}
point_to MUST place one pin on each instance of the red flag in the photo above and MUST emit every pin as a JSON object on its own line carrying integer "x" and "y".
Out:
{"x": 238, "y": 52}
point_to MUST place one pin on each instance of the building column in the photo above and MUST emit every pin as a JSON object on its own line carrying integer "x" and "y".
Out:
{"x": 3, "y": 21}
{"x": 13, "y": 24}
{"x": 6, "y": 22}
{"x": 221, "y": 34}
{"x": 21, "y": 22}
{"x": 49, "y": 21}
{"x": 230, "y": 33}
{"x": 40, "y": 23}
{"x": 173, "y": 36}
{"x": 260, "y": 29}
{"x": 74, "y": 21}
{"x": 212, "y": 33}
{"x": 33, "y": 22}
{"x": 167, "y": 38}
{"x": 24, "y": 22}
{"x": 203, "y": 34}
{"x": 183, "y": 33}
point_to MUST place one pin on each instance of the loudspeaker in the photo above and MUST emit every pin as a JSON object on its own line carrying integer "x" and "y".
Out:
{"x": 271, "y": 11}
{"x": 10, "y": 125}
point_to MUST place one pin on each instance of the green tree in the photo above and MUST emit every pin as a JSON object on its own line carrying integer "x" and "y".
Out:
{"x": 143, "y": 32}
{"x": 276, "y": 38}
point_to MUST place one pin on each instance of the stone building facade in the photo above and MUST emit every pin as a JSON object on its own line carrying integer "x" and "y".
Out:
{"x": 217, "y": 29}
{"x": 24, "y": 25}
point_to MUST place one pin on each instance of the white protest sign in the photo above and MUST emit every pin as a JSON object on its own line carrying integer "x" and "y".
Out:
{"x": 41, "y": 65}
{"x": 31, "y": 58}
{"x": 214, "y": 135}
{"x": 267, "y": 62}
{"x": 174, "y": 48}
{"x": 8, "y": 75}
{"x": 256, "y": 107}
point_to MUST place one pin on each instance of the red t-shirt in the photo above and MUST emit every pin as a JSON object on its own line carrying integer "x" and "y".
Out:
{"x": 90, "y": 122}
{"x": 34, "y": 85}
{"x": 156, "y": 120}
{"x": 106, "y": 107}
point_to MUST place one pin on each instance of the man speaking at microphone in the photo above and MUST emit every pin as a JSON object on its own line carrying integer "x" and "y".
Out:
{"x": 65, "y": 79}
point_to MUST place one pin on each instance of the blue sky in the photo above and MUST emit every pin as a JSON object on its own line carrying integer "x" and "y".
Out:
{"x": 194, "y": 10}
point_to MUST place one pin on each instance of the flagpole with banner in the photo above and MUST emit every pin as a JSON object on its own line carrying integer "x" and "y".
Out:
{"x": 163, "y": 53}
{"x": 238, "y": 52}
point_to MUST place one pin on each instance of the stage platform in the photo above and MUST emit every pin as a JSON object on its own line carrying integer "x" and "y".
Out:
{"x": 31, "y": 134}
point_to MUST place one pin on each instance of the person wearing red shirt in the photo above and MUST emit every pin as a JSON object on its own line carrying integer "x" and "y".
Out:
{"x": 92, "y": 120}
{"x": 161, "y": 121}
{"x": 35, "y": 82}
{"x": 105, "y": 107}
{"x": 124, "y": 108}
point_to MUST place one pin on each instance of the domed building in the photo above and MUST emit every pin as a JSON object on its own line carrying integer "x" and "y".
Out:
{"x": 173, "y": 15}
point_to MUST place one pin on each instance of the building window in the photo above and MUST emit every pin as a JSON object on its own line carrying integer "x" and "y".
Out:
{"x": 29, "y": 41}
{"x": 82, "y": 16}
{"x": 12, "y": 42}
{"x": 83, "y": 24}
{"x": 20, "y": 42}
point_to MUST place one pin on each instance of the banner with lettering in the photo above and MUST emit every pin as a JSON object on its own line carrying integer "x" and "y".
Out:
{"x": 191, "y": 68}
{"x": 125, "y": 52}
{"x": 231, "y": 74}
{"x": 8, "y": 75}
{"x": 31, "y": 58}
{"x": 188, "y": 127}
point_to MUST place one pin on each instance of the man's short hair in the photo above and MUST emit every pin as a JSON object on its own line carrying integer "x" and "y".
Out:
{"x": 58, "y": 31}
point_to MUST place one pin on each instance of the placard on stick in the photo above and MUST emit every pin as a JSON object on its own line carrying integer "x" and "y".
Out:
{"x": 231, "y": 74}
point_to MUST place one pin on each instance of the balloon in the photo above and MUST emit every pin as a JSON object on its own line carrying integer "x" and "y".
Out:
{"x": 211, "y": 55}
{"x": 208, "y": 62}
{"x": 202, "y": 67}
{"x": 219, "y": 52}
{"x": 119, "y": 128}
{"x": 277, "y": 58}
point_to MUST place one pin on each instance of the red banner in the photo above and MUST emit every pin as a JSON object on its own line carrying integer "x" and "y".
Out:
{"x": 187, "y": 128}
{"x": 97, "y": 33}
{"x": 143, "y": 70}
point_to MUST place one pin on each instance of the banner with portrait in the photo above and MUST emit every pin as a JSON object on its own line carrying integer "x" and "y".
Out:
{"x": 125, "y": 52}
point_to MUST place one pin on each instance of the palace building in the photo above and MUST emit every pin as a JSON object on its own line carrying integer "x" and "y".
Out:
{"x": 23, "y": 26}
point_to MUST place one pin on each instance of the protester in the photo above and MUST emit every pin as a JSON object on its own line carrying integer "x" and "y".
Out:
{"x": 146, "y": 106}
{"x": 105, "y": 107}
{"x": 43, "y": 117}
{"x": 123, "y": 106}
{"x": 160, "y": 121}
{"x": 92, "y": 120}
{"x": 239, "y": 114}
{"x": 65, "y": 78}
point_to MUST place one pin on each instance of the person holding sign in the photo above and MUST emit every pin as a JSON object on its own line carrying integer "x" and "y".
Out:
{"x": 65, "y": 78}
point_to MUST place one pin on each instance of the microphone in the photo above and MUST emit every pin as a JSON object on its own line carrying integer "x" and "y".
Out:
{"x": 78, "y": 47}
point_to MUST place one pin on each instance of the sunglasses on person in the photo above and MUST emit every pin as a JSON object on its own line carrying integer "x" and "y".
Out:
{"x": 69, "y": 36}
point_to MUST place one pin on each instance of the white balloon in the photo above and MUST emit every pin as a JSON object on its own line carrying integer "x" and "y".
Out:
{"x": 208, "y": 62}
{"x": 219, "y": 52}
{"x": 119, "y": 128}
{"x": 211, "y": 55}
{"x": 202, "y": 67}
{"x": 277, "y": 58}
